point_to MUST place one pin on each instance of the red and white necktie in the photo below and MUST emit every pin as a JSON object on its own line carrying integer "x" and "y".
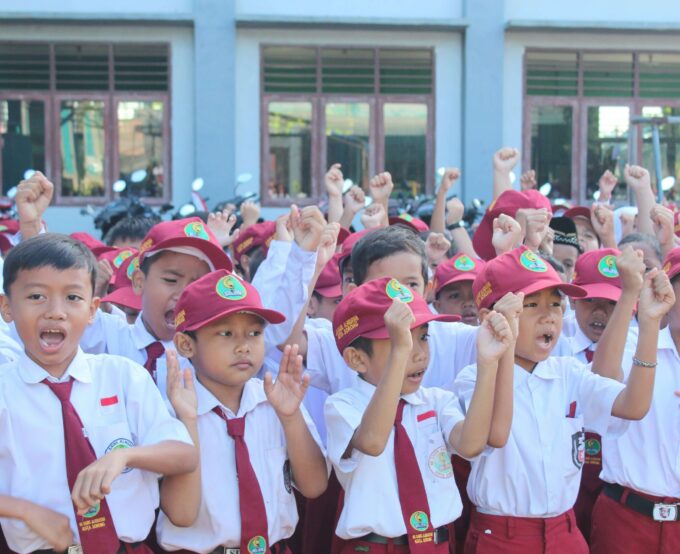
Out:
{"x": 412, "y": 496}
{"x": 254, "y": 528}
{"x": 153, "y": 351}
{"x": 97, "y": 531}
{"x": 589, "y": 354}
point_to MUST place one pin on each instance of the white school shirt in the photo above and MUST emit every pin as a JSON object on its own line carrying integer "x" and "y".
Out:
{"x": 452, "y": 347}
{"x": 371, "y": 502}
{"x": 538, "y": 472}
{"x": 219, "y": 516}
{"x": 578, "y": 343}
{"x": 282, "y": 280}
{"x": 647, "y": 456}
{"x": 11, "y": 347}
{"x": 119, "y": 406}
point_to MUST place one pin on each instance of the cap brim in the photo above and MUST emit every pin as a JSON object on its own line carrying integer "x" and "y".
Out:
{"x": 601, "y": 290}
{"x": 573, "y": 291}
{"x": 481, "y": 241}
{"x": 124, "y": 296}
{"x": 330, "y": 292}
{"x": 578, "y": 211}
{"x": 421, "y": 319}
{"x": 457, "y": 279}
{"x": 215, "y": 254}
{"x": 270, "y": 316}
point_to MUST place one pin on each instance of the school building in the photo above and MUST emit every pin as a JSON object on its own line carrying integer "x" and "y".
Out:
{"x": 279, "y": 90}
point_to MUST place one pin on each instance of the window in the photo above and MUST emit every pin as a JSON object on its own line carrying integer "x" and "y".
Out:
{"x": 365, "y": 108}
{"x": 578, "y": 107}
{"x": 86, "y": 115}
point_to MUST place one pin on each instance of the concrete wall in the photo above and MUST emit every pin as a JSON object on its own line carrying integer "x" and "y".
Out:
{"x": 609, "y": 11}
{"x": 96, "y": 7}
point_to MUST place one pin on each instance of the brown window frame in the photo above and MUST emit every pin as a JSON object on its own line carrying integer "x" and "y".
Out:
{"x": 111, "y": 98}
{"x": 580, "y": 104}
{"x": 376, "y": 101}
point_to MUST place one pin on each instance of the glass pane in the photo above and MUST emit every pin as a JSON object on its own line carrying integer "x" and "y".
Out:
{"x": 22, "y": 128}
{"x": 140, "y": 143}
{"x": 551, "y": 133}
{"x": 607, "y": 147}
{"x": 347, "y": 139}
{"x": 551, "y": 73}
{"x": 659, "y": 75}
{"x": 81, "y": 134}
{"x": 406, "y": 146}
{"x": 607, "y": 74}
{"x": 669, "y": 137}
{"x": 290, "y": 141}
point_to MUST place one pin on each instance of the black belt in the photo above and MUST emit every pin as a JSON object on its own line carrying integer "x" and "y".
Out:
{"x": 658, "y": 511}
{"x": 441, "y": 535}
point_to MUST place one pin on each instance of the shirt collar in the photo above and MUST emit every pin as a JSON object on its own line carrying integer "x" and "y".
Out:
{"x": 544, "y": 370}
{"x": 414, "y": 398}
{"x": 141, "y": 337}
{"x": 253, "y": 394}
{"x": 32, "y": 373}
{"x": 580, "y": 342}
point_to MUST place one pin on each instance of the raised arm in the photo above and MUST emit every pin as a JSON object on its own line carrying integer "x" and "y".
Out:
{"x": 451, "y": 175}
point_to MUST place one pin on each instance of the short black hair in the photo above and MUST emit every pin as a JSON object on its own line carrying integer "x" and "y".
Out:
{"x": 48, "y": 250}
{"x": 134, "y": 228}
{"x": 554, "y": 262}
{"x": 257, "y": 256}
{"x": 148, "y": 261}
{"x": 363, "y": 344}
{"x": 383, "y": 243}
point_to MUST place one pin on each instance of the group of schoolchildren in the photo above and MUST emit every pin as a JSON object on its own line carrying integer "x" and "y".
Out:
{"x": 299, "y": 386}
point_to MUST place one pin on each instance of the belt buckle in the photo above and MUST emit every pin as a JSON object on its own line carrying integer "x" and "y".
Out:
{"x": 665, "y": 512}
{"x": 75, "y": 549}
{"x": 228, "y": 550}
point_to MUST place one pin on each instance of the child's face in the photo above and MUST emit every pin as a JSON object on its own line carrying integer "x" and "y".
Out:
{"x": 323, "y": 307}
{"x": 405, "y": 267}
{"x": 587, "y": 237}
{"x": 347, "y": 278}
{"x": 229, "y": 351}
{"x": 51, "y": 308}
{"x": 372, "y": 367}
{"x": 168, "y": 276}
{"x": 540, "y": 325}
{"x": 592, "y": 315}
{"x": 567, "y": 256}
{"x": 457, "y": 299}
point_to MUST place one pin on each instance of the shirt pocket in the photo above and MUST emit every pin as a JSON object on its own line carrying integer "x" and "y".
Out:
{"x": 436, "y": 455}
{"x": 277, "y": 488}
{"x": 572, "y": 445}
{"x": 106, "y": 438}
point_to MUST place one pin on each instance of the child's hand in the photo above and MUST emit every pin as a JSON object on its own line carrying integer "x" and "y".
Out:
{"x": 180, "y": 389}
{"x": 52, "y": 526}
{"x": 602, "y": 218}
{"x": 535, "y": 226}
{"x": 373, "y": 216}
{"x": 606, "y": 183}
{"x": 631, "y": 267}
{"x": 250, "y": 213}
{"x": 355, "y": 199}
{"x": 637, "y": 178}
{"x": 286, "y": 393}
{"x": 94, "y": 482}
{"x": 546, "y": 246}
{"x": 507, "y": 234}
{"x": 493, "y": 338}
{"x": 505, "y": 159}
{"x": 283, "y": 232}
{"x": 221, "y": 224}
{"x": 662, "y": 219}
{"x": 454, "y": 211}
{"x": 32, "y": 198}
{"x": 327, "y": 245}
{"x": 451, "y": 175}
{"x": 628, "y": 224}
{"x": 334, "y": 181}
{"x": 510, "y": 306}
{"x": 307, "y": 227}
{"x": 528, "y": 180}
{"x": 104, "y": 274}
{"x": 657, "y": 296}
{"x": 381, "y": 187}
{"x": 398, "y": 320}
{"x": 436, "y": 246}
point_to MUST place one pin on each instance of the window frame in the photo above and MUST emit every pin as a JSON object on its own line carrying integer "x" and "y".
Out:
{"x": 53, "y": 97}
{"x": 376, "y": 101}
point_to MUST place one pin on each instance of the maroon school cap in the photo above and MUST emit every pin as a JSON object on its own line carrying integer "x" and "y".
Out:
{"x": 459, "y": 268}
{"x": 187, "y": 236}
{"x": 407, "y": 220}
{"x": 329, "y": 284}
{"x": 520, "y": 270}
{"x": 578, "y": 211}
{"x": 122, "y": 292}
{"x": 672, "y": 263}
{"x": 597, "y": 274}
{"x": 507, "y": 203}
{"x": 362, "y": 312}
{"x": 95, "y": 246}
{"x": 258, "y": 234}
{"x": 216, "y": 295}
{"x": 348, "y": 244}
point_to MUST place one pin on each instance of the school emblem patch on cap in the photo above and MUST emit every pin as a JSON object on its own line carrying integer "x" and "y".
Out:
{"x": 180, "y": 318}
{"x": 134, "y": 265}
{"x": 532, "y": 262}
{"x": 464, "y": 263}
{"x": 196, "y": 229}
{"x": 406, "y": 217}
{"x": 607, "y": 267}
{"x": 230, "y": 288}
{"x": 148, "y": 243}
{"x": 120, "y": 258}
{"x": 667, "y": 267}
{"x": 395, "y": 289}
